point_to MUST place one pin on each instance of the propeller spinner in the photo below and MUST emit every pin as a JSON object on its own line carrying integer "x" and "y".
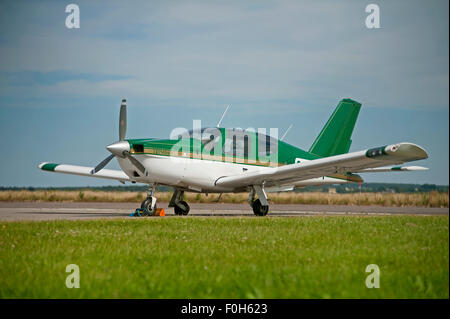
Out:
{"x": 120, "y": 148}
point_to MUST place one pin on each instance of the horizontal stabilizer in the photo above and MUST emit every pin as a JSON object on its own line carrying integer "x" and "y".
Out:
{"x": 394, "y": 169}
{"x": 84, "y": 171}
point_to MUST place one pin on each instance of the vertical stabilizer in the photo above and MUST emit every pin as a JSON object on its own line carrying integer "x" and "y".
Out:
{"x": 335, "y": 137}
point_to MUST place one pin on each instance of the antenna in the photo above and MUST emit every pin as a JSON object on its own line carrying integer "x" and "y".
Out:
{"x": 223, "y": 115}
{"x": 285, "y": 133}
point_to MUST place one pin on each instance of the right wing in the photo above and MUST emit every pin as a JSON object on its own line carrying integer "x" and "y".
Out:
{"x": 361, "y": 161}
{"x": 85, "y": 171}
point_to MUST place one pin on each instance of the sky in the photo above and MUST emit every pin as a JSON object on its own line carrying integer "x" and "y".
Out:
{"x": 276, "y": 62}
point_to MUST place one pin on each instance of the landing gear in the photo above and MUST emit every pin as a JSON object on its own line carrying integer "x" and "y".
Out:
{"x": 261, "y": 205}
{"x": 259, "y": 209}
{"x": 148, "y": 206}
{"x": 179, "y": 205}
{"x": 182, "y": 208}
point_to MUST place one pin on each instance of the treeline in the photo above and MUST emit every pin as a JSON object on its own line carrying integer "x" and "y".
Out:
{"x": 341, "y": 189}
{"x": 377, "y": 188}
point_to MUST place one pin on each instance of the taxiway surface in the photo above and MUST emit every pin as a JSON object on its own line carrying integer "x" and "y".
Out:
{"x": 16, "y": 211}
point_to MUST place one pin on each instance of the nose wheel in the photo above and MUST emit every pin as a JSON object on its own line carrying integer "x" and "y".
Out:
{"x": 149, "y": 206}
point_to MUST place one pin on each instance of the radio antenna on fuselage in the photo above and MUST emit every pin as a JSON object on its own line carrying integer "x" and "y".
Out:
{"x": 285, "y": 133}
{"x": 223, "y": 115}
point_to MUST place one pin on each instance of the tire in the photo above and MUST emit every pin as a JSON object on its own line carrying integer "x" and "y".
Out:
{"x": 181, "y": 211}
{"x": 258, "y": 209}
{"x": 147, "y": 207}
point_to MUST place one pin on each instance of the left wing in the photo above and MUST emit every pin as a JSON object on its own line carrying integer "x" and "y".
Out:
{"x": 340, "y": 164}
{"x": 85, "y": 171}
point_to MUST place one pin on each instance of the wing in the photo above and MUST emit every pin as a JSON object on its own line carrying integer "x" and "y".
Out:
{"x": 340, "y": 164}
{"x": 85, "y": 171}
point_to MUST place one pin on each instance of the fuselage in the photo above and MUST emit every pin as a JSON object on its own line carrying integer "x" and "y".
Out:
{"x": 195, "y": 162}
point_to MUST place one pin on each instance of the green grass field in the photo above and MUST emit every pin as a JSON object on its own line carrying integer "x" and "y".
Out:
{"x": 248, "y": 257}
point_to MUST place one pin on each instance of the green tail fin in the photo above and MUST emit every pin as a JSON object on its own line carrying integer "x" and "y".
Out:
{"x": 334, "y": 139}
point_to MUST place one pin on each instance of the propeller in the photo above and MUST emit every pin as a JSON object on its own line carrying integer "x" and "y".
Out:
{"x": 102, "y": 164}
{"x": 120, "y": 148}
{"x": 135, "y": 162}
{"x": 123, "y": 120}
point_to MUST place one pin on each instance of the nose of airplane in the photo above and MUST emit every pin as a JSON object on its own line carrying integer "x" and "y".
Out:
{"x": 119, "y": 148}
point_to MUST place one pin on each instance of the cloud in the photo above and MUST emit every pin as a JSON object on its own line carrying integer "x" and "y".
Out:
{"x": 292, "y": 52}
{"x": 35, "y": 78}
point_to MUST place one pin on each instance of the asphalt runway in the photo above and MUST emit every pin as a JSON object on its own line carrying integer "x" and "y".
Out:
{"x": 17, "y": 211}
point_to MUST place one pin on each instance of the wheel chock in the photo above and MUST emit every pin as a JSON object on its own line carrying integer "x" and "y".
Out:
{"x": 160, "y": 212}
{"x": 139, "y": 212}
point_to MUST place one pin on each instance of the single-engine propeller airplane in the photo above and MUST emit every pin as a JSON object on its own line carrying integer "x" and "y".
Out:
{"x": 222, "y": 160}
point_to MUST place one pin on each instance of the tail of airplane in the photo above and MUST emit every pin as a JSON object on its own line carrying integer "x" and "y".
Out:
{"x": 335, "y": 137}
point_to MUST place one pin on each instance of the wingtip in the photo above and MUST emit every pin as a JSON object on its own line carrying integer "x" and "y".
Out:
{"x": 407, "y": 149}
{"x": 46, "y": 166}
{"x": 40, "y": 165}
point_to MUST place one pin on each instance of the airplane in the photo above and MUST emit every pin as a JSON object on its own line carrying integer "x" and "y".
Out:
{"x": 229, "y": 160}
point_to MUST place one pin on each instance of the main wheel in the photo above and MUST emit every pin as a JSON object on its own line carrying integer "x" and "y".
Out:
{"x": 259, "y": 209}
{"x": 182, "y": 208}
{"x": 147, "y": 207}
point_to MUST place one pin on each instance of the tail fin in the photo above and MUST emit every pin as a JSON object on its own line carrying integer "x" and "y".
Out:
{"x": 334, "y": 139}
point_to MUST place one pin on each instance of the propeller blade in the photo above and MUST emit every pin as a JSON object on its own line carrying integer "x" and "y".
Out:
{"x": 102, "y": 164}
{"x": 123, "y": 120}
{"x": 135, "y": 162}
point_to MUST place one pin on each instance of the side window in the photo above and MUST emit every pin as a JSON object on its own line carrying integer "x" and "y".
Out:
{"x": 212, "y": 141}
{"x": 228, "y": 145}
{"x": 267, "y": 145}
{"x": 238, "y": 143}
{"x": 246, "y": 149}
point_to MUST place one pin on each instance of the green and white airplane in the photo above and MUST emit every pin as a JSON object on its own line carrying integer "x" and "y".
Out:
{"x": 223, "y": 160}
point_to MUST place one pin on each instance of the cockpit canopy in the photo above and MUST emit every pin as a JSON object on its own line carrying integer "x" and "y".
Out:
{"x": 233, "y": 141}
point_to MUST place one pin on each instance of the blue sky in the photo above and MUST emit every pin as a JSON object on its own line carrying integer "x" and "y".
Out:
{"x": 277, "y": 63}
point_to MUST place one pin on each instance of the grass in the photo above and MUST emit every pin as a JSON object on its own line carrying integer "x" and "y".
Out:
{"x": 430, "y": 199}
{"x": 243, "y": 257}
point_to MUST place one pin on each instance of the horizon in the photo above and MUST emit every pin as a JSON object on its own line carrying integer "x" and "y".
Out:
{"x": 136, "y": 185}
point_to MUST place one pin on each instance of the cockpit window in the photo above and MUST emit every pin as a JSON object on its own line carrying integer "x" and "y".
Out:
{"x": 239, "y": 143}
{"x": 236, "y": 142}
{"x": 267, "y": 145}
{"x": 211, "y": 140}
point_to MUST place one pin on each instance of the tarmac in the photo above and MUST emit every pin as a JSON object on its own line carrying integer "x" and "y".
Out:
{"x": 22, "y": 211}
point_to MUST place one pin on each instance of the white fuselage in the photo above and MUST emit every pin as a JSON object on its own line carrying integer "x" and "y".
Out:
{"x": 199, "y": 175}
